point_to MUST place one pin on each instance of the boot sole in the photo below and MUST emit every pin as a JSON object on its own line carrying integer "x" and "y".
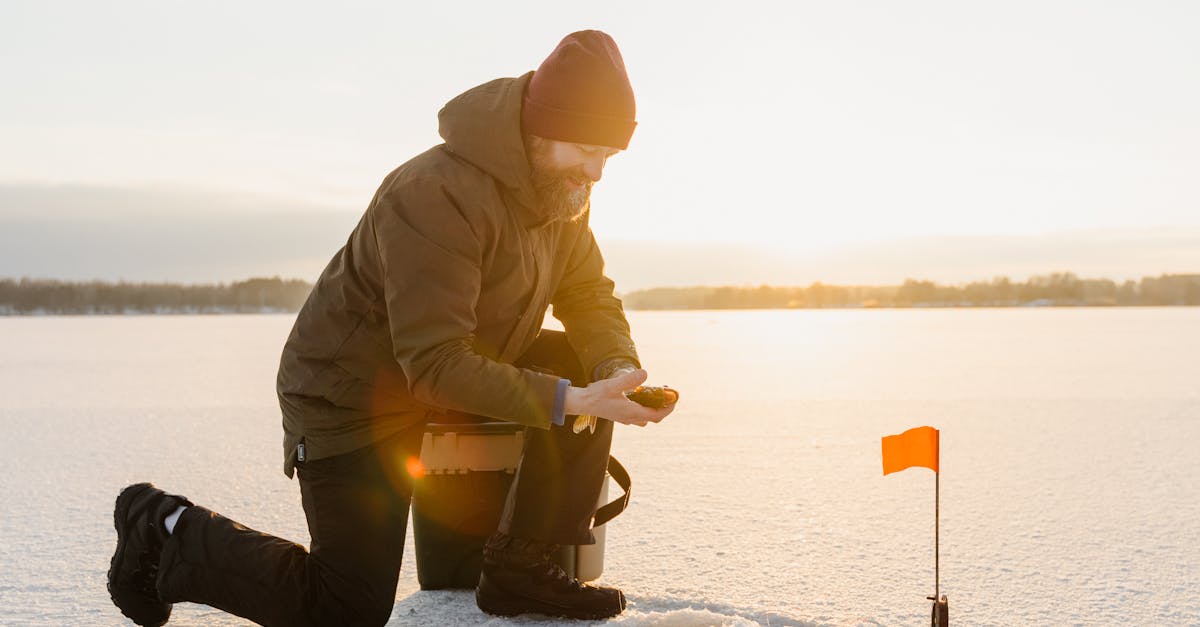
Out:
{"x": 513, "y": 605}
{"x": 120, "y": 515}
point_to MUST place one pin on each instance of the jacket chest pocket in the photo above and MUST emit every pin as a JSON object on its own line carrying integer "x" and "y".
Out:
{"x": 515, "y": 295}
{"x": 505, "y": 292}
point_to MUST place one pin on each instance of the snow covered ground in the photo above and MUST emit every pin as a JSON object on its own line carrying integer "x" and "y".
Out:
{"x": 1070, "y": 480}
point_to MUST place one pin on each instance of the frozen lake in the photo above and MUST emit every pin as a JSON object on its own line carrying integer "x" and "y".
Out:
{"x": 1070, "y": 478}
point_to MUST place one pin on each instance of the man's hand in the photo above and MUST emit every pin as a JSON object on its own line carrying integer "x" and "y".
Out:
{"x": 606, "y": 399}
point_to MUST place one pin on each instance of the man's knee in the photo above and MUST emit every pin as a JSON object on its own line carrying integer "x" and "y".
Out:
{"x": 353, "y": 608}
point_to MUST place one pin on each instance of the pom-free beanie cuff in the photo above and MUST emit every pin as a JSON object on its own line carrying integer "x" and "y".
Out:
{"x": 574, "y": 126}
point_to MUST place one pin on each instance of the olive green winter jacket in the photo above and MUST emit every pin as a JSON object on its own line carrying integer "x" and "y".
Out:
{"x": 444, "y": 282}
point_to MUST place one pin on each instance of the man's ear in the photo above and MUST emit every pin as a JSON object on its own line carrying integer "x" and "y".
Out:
{"x": 531, "y": 143}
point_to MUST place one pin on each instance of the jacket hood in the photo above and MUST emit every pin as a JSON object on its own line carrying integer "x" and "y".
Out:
{"x": 483, "y": 126}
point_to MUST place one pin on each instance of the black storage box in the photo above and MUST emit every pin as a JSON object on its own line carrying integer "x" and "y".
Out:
{"x": 467, "y": 469}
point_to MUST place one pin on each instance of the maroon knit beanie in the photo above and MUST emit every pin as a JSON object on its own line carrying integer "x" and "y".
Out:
{"x": 581, "y": 94}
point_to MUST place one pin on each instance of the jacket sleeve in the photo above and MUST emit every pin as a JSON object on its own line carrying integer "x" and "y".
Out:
{"x": 431, "y": 258}
{"x": 591, "y": 314}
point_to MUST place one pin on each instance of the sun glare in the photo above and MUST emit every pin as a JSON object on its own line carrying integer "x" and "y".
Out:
{"x": 414, "y": 467}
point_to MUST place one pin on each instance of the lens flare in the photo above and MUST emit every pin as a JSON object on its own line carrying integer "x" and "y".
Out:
{"x": 415, "y": 468}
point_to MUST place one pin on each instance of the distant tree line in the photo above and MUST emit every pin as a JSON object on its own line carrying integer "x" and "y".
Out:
{"x": 41, "y": 296}
{"x": 264, "y": 295}
{"x": 1058, "y": 290}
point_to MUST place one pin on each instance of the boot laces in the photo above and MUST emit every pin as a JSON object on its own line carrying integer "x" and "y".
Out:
{"x": 536, "y": 557}
{"x": 552, "y": 572}
{"x": 144, "y": 577}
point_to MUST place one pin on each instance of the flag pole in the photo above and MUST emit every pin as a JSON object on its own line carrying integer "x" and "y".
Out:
{"x": 940, "y": 616}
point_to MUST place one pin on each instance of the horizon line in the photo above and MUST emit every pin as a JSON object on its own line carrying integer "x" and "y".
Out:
{"x": 746, "y": 285}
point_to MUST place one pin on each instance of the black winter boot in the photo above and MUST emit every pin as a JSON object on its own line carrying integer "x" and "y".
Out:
{"x": 138, "y": 517}
{"x": 519, "y": 576}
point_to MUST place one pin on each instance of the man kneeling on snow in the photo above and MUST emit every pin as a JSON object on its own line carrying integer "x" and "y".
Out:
{"x": 441, "y": 288}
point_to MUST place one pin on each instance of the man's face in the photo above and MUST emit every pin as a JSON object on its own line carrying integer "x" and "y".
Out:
{"x": 563, "y": 174}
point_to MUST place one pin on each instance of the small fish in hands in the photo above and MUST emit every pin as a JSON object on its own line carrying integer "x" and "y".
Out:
{"x": 654, "y": 397}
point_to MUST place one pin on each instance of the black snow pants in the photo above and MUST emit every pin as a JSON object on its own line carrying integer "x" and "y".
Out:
{"x": 357, "y": 509}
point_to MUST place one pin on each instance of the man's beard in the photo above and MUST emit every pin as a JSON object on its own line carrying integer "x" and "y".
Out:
{"x": 557, "y": 197}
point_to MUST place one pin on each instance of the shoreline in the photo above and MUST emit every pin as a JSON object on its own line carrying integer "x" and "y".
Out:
{"x": 7, "y": 313}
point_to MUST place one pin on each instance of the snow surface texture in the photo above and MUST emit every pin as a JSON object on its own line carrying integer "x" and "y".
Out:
{"x": 1070, "y": 490}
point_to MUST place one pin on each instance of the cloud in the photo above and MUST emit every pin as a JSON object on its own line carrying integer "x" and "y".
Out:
{"x": 86, "y": 232}
{"x": 169, "y": 234}
{"x": 1116, "y": 254}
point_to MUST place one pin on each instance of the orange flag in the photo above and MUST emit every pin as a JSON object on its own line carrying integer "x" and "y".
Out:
{"x": 915, "y": 447}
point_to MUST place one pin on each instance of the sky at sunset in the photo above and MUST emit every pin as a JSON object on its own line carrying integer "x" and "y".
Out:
{"x": 777, "y": 142}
